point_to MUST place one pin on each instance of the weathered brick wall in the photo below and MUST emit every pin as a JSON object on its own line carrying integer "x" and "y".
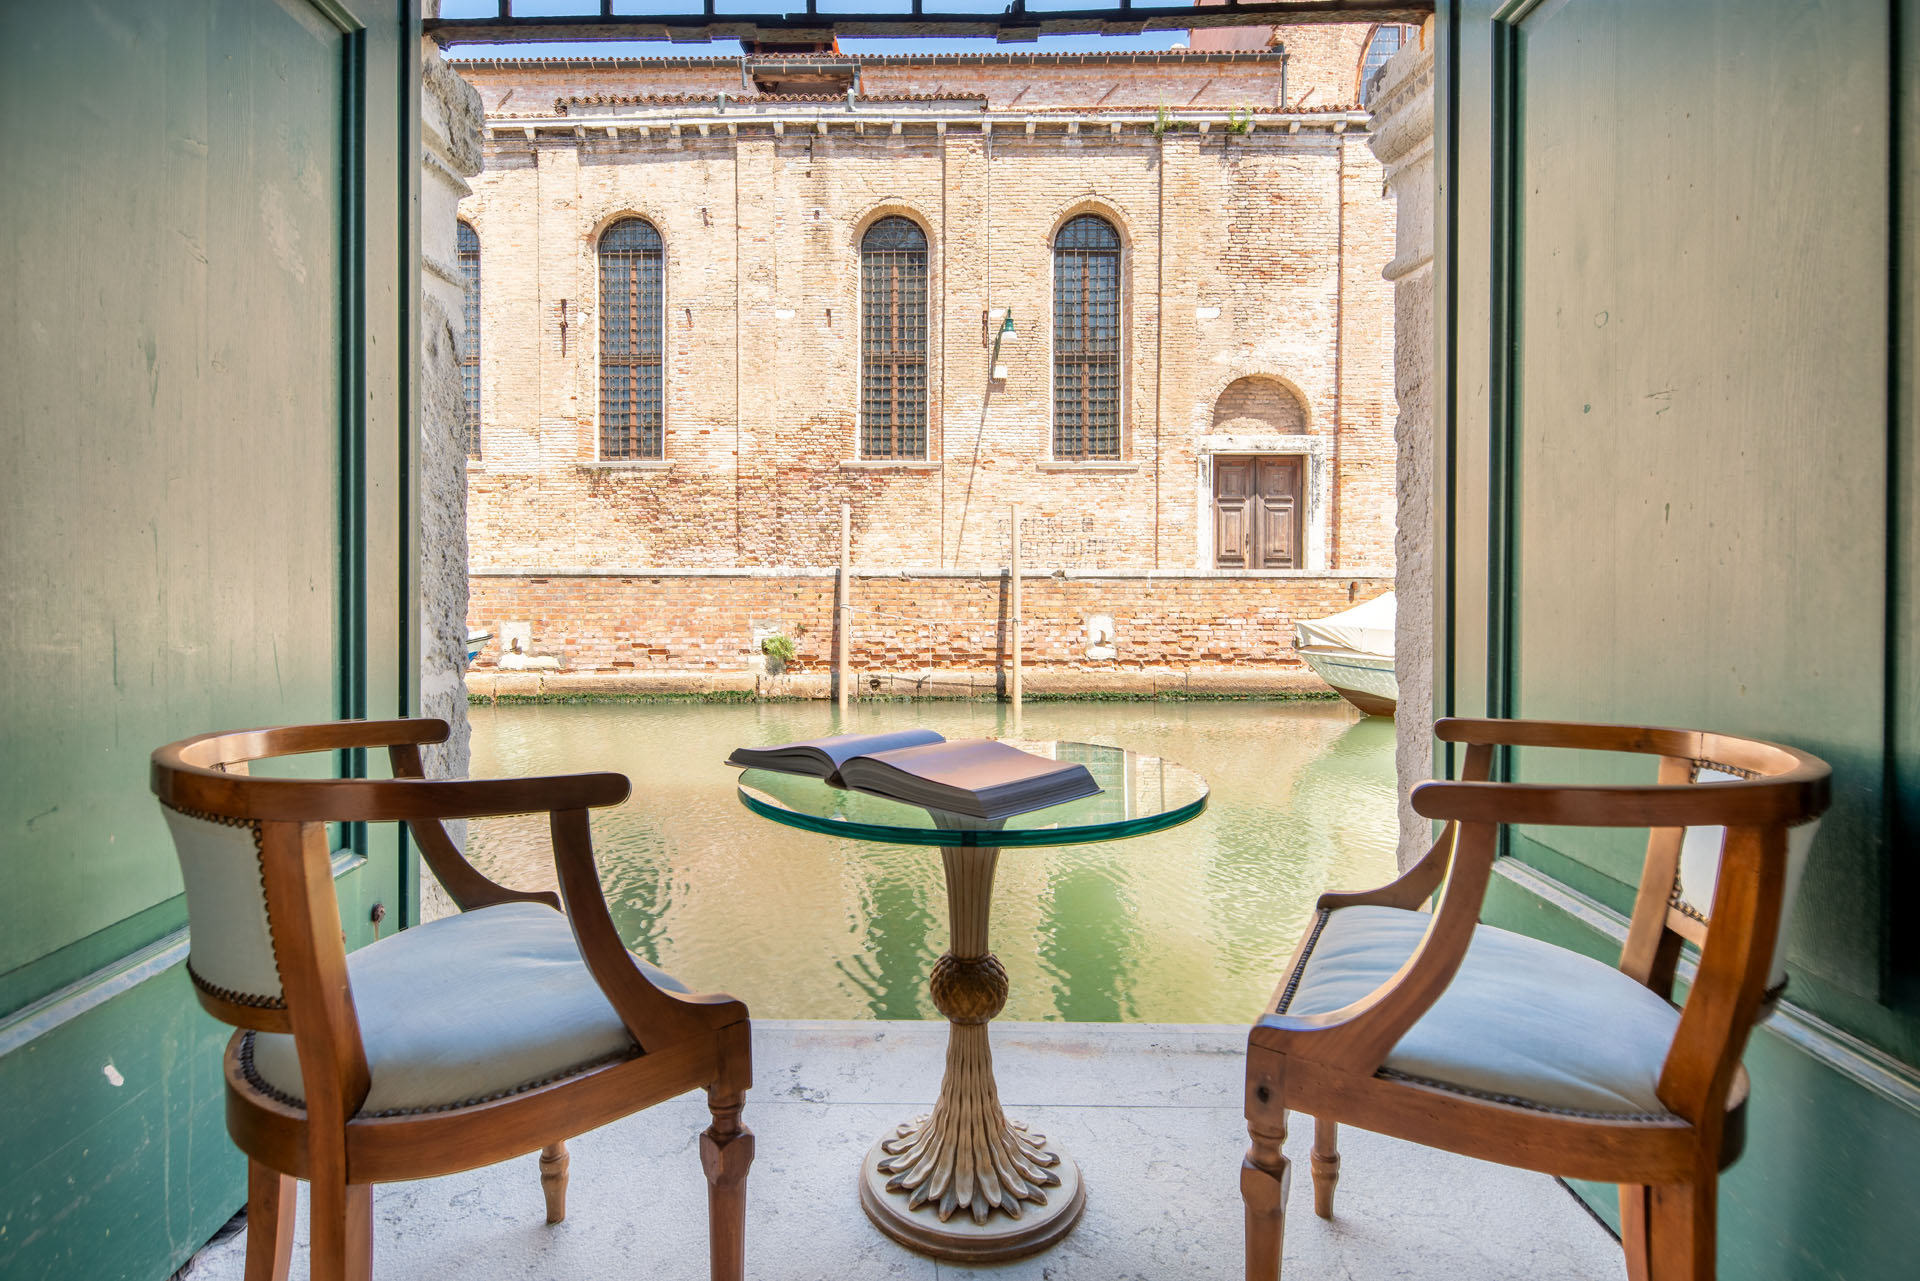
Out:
{"x": 1323, "y": 61}
{"x": 1247, "y": 256}
{"x": 945, "y": 621}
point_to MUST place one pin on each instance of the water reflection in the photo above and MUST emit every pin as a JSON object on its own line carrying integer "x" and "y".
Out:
{"x": 1187, "y": 925}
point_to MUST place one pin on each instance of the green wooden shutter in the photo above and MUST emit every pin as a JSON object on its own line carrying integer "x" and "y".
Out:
{"x": 1671, "y": 433}
{"x": 207, "y": 406}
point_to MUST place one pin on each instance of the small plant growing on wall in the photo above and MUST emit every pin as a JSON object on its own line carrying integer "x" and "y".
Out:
{"x": 779, "y": 651}
{"x": 1161, "y": 123}
{"x": 1240, "y": 121}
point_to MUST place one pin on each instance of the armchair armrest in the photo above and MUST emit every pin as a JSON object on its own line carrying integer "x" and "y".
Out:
{"x": 1689, "y": 805}
{"x": 1414, "y": 886}
{"x": 397, "y": 800}
{"x": 1417, "y": 884}
{"x": 654, "y": 1016}
{"x": 467, "y": 884}
{"x": 1718, "y": 804}
{"x": 1358, "y": 1037}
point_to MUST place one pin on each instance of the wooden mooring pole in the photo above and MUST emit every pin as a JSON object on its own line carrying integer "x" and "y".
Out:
{"x": 1015, "y": 641}
{"x": 843, "y": 659}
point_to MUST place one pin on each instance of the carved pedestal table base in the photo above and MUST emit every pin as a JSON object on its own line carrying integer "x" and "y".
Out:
{"x": 964, "y": 1182}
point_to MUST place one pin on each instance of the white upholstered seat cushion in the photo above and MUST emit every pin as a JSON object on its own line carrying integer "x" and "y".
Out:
{"x": 466, "y": 1008}
{"x": 1523, "y": 1021}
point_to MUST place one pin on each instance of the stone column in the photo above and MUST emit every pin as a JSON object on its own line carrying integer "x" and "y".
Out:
{"x": 1403, "y": 140}
{"x": 449, "y": 154}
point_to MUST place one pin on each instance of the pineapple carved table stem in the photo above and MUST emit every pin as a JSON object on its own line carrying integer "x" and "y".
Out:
{"x": 964, "y": 1182}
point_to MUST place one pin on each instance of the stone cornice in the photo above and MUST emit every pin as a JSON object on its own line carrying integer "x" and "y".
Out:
{"x": 895, "y": 117}
{"x": 1403, "y": 110}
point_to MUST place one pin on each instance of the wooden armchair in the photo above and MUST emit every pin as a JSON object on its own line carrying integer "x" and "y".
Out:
{"x": 1440, "y": 1030}
{"x": 500, "y": 1031}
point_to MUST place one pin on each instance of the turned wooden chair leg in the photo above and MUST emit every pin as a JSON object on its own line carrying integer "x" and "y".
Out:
{"x": 1633, "y": 1229}
{"x": 1326, "y": 1164}
{"x": 1265, "y": 1174}
{"x": 553, "y": 1179}
{"x": 340, "y": 1219}
{"x": 726, "y": 1150}
{"x": 1680, "y": 1231}
{"x": 271, "y": 1200}
{"x": 1265, "y": 1179}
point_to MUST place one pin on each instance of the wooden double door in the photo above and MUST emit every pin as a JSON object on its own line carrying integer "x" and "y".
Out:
{"x": 1259, "y": 511}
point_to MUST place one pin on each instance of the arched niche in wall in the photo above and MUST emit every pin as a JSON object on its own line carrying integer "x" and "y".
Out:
{"x": 1260, "y": 407}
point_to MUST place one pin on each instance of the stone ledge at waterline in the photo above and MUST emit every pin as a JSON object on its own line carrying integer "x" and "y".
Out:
{"x": 487, "y": 685}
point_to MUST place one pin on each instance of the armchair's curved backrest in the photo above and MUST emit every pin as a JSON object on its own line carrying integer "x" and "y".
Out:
{"x": 223, "y": 820}
{"x": 226, "y": 882}
{"x": 1697, "y": 872}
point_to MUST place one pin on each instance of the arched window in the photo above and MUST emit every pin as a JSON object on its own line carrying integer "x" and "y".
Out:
{"x": 632, "y": 312}
{"x": 893, "y": 340}
{"x": 1387, "y": 39}
{"x": 1086, "y": 339}
{"x": 469, "y": 252}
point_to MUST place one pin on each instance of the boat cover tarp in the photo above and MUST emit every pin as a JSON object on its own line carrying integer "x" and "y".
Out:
{"x": 1364, "y": 629}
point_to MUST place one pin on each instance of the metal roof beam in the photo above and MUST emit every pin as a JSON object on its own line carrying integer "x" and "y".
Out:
{"x": 700, "y": 24}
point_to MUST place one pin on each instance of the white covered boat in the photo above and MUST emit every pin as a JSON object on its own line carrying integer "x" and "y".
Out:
{"x": 1353, "y": 652}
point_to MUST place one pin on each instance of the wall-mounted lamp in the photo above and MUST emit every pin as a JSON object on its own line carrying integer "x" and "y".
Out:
{"x": 1005, "y": 332}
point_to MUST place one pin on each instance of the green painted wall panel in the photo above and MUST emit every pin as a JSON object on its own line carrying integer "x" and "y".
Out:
{"x": 1698, "y": 442}
{"x": 1684, "y": 350}
{"x": 1700, "y": 411}
{"x": 107, "y": 1180}
{"x": 210, "y": 248}
{"x": 1903, "y": 489}
{"x": 170, "y": 410}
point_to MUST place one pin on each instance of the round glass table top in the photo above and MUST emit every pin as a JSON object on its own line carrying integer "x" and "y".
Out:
{"x": 1139, "y": 794}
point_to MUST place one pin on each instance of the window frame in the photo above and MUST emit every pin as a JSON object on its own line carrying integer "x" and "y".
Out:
{"x": 470, "y": 298}
{"x": 637, "y": 430}
{"x": 861, "y": 442}
{"x": 1407, "y": 32}
{"x": 1121, "y": 301}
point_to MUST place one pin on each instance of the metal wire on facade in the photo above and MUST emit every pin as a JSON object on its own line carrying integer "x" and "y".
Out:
{"x": 893, "y": 340}
{"x": 632, "y": 268}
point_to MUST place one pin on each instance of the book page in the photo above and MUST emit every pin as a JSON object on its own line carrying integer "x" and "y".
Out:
{"x": 842, "y": 748}
{"x": 973, "y": 765}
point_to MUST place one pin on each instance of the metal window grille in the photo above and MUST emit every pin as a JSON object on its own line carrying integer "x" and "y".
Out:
{"x": 1086, "y": 339}
{"x": 893, "y": 340}
{"x": 469, "y": 253}
{"x": 632, "y": 306}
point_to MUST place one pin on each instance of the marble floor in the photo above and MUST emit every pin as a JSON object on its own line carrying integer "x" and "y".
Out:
{"x": 1150, "y": 1112}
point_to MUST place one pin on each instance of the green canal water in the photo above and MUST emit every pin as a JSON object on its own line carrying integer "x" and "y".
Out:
{"x": 1189, "y": 925}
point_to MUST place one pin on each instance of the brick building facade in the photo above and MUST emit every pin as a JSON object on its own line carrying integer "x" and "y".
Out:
{"x": 1229, "y": 465}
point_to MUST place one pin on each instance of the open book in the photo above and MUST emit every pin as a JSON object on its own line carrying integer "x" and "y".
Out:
{"x": 977, "y": 777}
{"x": 823, "y": 757}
